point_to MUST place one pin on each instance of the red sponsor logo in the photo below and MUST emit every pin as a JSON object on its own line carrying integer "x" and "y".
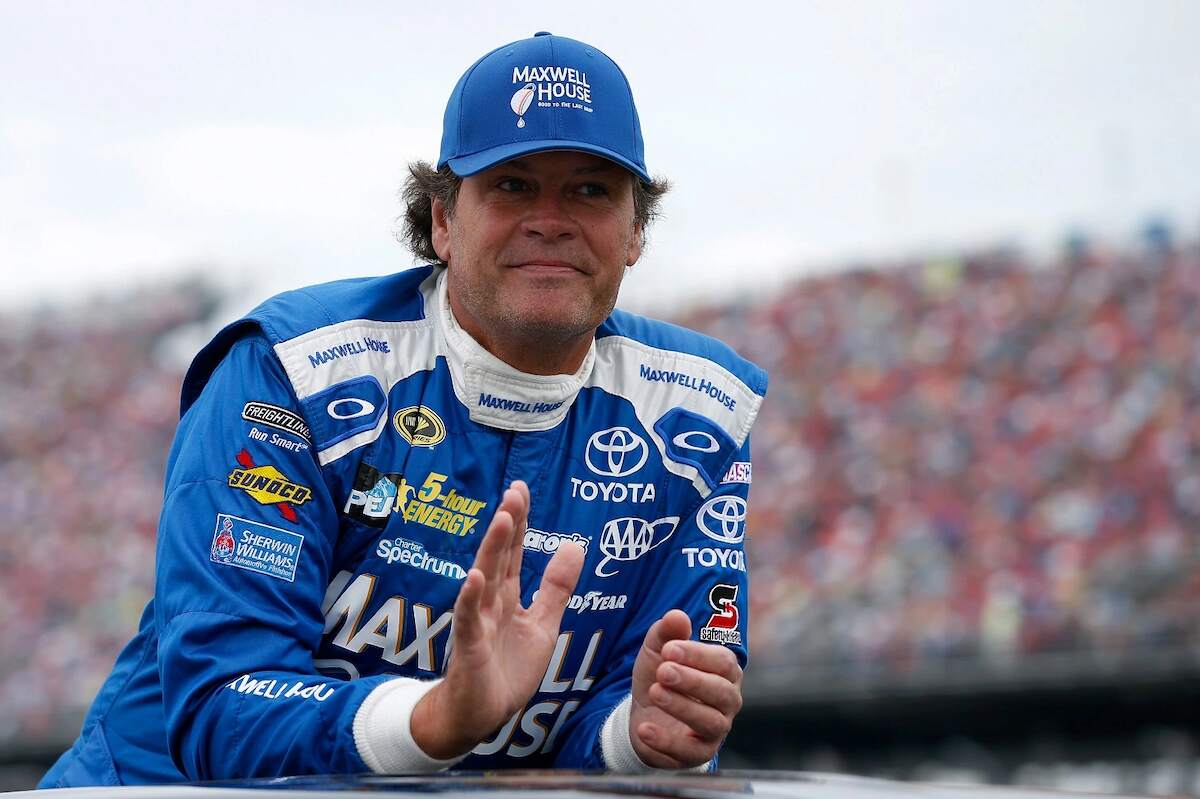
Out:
{"x": 722, "y": 625}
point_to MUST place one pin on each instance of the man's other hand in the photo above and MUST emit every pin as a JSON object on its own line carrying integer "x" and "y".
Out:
{"x": 500, "y": 649}
{"x": 685, "y": 695}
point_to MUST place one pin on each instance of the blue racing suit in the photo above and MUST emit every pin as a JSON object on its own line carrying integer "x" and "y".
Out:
{"x": 341, "y": 451}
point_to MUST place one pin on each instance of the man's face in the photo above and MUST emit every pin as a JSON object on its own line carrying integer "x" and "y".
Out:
{"x": 537, "y": 248}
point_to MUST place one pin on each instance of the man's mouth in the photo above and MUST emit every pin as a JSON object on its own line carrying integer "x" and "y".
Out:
{"x": 546, "y": 266}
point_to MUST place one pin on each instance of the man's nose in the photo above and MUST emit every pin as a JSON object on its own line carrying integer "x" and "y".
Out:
{"x": 549, "y": 218}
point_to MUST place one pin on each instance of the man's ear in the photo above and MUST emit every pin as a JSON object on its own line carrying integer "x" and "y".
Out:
{"x": 440, "y": 232}
{"x": 634, "y": 251}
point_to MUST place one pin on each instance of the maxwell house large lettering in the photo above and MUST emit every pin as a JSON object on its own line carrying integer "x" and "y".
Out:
{"x": 532, "y": 729}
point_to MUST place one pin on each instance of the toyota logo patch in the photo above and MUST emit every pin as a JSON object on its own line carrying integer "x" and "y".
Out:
{"x": 616, "y": 452}
{"x": 723, "y": 519}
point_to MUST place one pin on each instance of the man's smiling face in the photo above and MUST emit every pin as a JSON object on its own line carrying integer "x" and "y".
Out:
{"x": 537, "y": 248}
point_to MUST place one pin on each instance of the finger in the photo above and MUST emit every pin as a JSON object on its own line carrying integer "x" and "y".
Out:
{"x": 520, "y": 519}
{"x": 494, "y": 555}
{"x": 712, "y": 658}
{"x": 488, "y": 554}
{"x": 706, "y": 722}
{"x": 674, "y": 749}
{"x": 513, "y": 503}
{"x": 558, "y": 583}
{"x": 674, "y": 626}
{"x": 506, "y": 589}
{"x": 710, "y": 689}
{"x": 652, "y": 737}
{"x": 467, "y": 625}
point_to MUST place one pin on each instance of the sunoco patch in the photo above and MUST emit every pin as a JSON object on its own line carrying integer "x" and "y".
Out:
{"x": 256, "y": 547}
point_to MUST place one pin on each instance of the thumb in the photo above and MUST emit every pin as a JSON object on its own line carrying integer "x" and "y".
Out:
{"x": 673, "y": 626}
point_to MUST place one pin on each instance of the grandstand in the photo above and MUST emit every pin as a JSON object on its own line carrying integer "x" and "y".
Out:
{"x": 975, "y": 514}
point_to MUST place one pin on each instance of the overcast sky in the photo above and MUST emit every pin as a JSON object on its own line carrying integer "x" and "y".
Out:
{"x": 263, "y": 142}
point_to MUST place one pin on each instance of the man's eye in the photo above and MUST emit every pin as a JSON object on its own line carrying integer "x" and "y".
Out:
{"x": 512, "y": 184}
{"x": 593, "y": 190}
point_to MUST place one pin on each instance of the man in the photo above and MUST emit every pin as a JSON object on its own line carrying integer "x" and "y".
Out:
{"x": 483, "y": 441}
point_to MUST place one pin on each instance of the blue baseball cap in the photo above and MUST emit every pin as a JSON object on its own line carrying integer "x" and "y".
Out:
{"x": 539, "y": 94}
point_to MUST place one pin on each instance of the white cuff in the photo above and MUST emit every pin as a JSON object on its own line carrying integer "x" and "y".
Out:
{"x": 383, "y": 731}
{"x": 617, "y": 747}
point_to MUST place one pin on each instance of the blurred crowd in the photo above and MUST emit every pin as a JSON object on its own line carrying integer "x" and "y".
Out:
{"x": 90, "y": 402}
{"x": 977, "y": 457}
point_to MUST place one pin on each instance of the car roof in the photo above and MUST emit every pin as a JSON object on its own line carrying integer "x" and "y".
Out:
{"x": 564, "y": 785}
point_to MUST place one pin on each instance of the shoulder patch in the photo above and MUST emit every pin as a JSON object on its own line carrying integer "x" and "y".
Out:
{"x": 697, "y": 441}
{"x": 256, "y": 547}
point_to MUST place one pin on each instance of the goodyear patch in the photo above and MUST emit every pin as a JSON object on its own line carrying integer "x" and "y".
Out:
{"x": 256, "y": 547}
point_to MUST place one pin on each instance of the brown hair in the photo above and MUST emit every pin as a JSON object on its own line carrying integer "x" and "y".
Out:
{"x": 424, "y": 183}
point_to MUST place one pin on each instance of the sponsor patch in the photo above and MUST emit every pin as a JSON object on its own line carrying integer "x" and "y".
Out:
{"x": 723, "y": 519}
{"x": 267, "y": 485}
{"x": 412, "y": 553}
{"x": 419, "y": 426}
{"x": 265, "y": 413}
{"x": 606, "y": 491}
{"x": 345, "y": 409}
{"x": 697, "y": 384}
{"x": 594, "y": 600}
{"x": 722, "y": 625}
{"x": 348, "y": 349}
{"x": 517, "y": 406}
{"x": 441, "y": 509}
{"x": 712, "y": 557}
{"x": 377, "y": 495}
{"x": 276, "y": 440}
{"x": 539, "y": 541}
{"x": 739, "y": 472}
{"x": 627, "y": 539}
{"x": 280, "y": 689}
{"x": 256, "y": 547}
{"x": 549, "y": 87}
{"x": 616, "y": 452}
{"x": 697, "y": 441}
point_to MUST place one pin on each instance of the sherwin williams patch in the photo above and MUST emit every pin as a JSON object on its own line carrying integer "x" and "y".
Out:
{"x": 256, "y": 547}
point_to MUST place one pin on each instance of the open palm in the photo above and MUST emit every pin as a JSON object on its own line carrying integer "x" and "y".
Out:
{"x": 500, "y": 649}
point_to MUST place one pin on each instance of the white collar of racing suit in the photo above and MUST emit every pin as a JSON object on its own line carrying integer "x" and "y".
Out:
{"x": 495, "y": 393}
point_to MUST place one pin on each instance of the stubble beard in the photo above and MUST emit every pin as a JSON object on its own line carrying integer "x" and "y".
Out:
{"x": 482, "y": 299}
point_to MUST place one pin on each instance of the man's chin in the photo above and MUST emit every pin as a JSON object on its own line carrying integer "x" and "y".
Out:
{"x": 554, "y": 325}
{"x": 550, "y": 319}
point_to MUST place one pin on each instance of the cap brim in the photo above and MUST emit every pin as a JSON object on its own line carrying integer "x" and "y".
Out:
{"x": 471, "y": 164}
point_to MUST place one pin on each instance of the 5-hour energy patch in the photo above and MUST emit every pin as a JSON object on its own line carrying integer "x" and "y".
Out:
{"x": 448, "y": 511}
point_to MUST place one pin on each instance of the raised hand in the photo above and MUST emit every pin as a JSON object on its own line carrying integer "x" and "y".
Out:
{"x": 500, "y": 649}
{"x": 685, "y": 695}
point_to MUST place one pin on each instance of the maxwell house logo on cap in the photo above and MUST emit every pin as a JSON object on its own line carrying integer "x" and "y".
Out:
{"x": 566, "y": 95}
{"x": 549, "y": 87}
